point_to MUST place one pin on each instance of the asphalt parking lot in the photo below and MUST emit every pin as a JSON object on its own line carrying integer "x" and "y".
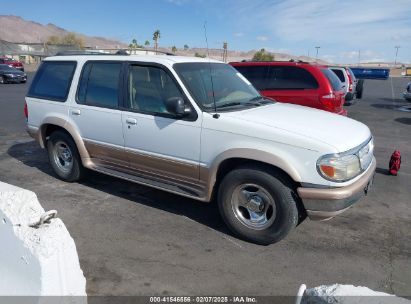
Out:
{"x": 133, "y": 240}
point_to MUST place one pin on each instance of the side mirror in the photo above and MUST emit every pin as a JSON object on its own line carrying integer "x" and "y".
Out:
{"x": 176, "y": 105}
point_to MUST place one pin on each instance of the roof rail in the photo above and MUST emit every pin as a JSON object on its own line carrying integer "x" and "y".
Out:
{"x": 80, "y": 52}
{"x": 119, "y": 52}
{"x": 165, "y": 53}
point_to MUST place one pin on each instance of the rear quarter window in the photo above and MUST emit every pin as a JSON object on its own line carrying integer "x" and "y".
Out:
{"x": 290, "y": 78}
{"x": 53, "y": 80}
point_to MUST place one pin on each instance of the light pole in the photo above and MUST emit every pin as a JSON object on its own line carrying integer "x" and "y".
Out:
{"x": 316, "y": 54}
{"x": 359, "y": 57}
{"x": 396, "y": 54}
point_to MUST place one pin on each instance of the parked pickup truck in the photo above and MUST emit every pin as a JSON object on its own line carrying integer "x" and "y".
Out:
{"x": 198, "y": 128}
{"x": 371, "y": 73}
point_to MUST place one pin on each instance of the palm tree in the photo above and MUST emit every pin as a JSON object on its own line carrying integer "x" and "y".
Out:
{"x": 174, "y": 49}
{"x": 147, "y": 43}
{"x": 133, "y": 45}
{"x": 186, "y": 47}
{"x": 156, "y": 36}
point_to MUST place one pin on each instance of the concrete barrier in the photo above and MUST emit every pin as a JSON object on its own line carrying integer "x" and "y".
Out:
{"x": 40, "y": 261}
{"x": 348, "y": 294}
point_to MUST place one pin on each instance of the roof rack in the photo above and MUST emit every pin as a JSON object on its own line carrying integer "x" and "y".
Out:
{"x": 298, "y": 60}
{"x": 122, "y": 52}
{"x": 76, "y": 52}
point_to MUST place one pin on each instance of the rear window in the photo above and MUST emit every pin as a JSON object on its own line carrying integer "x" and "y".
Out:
{"x": 257, "y": 75}
{"x": 332, "y": 78}
{"x": 99, "y": 84}
{"x": 339, "y": 74}
{"x": 53, "y": 80}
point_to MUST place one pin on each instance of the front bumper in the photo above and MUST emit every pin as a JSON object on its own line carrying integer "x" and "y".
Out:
{"x": 324, "y": 204}
{"x": 14, "y": 79}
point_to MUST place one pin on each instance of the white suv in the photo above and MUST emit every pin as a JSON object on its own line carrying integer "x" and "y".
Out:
{"x": 198, "y": 128}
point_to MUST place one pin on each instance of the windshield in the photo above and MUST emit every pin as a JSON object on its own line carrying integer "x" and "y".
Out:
{"x": 5, "y": 67}
{"x": 230, "y": 88}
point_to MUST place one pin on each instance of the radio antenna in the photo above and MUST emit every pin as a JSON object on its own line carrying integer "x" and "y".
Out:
{"x": 209, "y": 66}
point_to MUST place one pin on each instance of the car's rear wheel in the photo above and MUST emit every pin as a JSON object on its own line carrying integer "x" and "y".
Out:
{"x": 64, "y": 157}
{"x": 258, "y": 205}
{"x": 360, "y": 88}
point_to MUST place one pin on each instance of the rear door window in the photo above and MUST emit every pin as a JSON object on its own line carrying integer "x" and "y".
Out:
{"x": 332, "y": 78}
{"x": 99, "y": 84}
{"x": 257, "y": 75}
{"x": 53, "y": 80}
{"x": 290, "y": 78}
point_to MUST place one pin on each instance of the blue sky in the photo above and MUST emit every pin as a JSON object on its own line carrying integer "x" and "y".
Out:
{"x": 340, "y": 28}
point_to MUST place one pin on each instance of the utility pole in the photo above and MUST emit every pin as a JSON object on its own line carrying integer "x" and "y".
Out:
{"x": 359, "y": 57}
{"x": 225, "y": 51}
{"x": 316, "y": 54}
{"x": 396, "y": 54}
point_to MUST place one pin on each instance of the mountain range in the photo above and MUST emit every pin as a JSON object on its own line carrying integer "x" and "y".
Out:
{"x": 16, "y": 29}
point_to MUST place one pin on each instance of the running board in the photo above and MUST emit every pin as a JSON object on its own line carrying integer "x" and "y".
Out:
{"x": 188, "y": 190}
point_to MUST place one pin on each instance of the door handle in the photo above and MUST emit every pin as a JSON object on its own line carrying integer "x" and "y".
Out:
{"x": 75, "y": 112}
{"x": 131, "y": 121}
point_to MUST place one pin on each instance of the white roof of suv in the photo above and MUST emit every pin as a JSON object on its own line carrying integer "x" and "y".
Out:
{"x": 163, "y": 59}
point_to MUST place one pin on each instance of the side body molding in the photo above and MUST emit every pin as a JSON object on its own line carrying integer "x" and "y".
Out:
{"x": 208, "y": 175}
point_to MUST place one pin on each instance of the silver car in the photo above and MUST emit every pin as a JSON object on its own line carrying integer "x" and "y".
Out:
{"x": 407, "y": 92}
{"x": 349, "y": 83}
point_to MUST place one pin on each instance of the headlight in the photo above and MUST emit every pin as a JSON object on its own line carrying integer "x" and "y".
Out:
{"x": 9, "y": 75}
{"x": 345, "y": 166}
{"x": 340, "y": 168}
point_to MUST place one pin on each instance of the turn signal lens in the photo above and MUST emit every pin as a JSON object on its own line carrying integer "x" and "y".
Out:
{"x": 327, "y": 170}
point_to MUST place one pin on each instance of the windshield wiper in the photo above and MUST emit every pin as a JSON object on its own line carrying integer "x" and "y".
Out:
{"x": 230, "y": 104}
{"x": 261, "y": 100}
{"x": 256, "y": 98}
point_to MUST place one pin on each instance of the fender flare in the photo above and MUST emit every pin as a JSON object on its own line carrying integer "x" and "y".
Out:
{"x": 71, "y": 129}
{"x": 209, "y": 175}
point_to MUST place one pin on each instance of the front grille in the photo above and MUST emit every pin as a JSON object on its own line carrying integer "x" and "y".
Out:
{"x": 366, "y": 154}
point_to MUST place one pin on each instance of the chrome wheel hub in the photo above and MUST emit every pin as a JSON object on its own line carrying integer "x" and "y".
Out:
{"x": 63, "y": 157}
{"x": 253, "y": 206}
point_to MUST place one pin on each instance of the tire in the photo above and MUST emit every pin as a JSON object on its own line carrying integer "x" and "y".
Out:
{"x": 64, "y": 157}
{"x": 360, "y": 88}
{"x": 2, "y": 81}
{"x": 268, "y": 193}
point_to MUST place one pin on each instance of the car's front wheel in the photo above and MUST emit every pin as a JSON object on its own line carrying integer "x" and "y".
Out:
{"x": 64, "y": 157}
{"x": 258, "y": 205}
{"x": 2, "y": 81}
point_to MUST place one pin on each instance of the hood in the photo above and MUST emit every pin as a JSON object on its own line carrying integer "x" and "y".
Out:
{"x": 17, "y": 72}
{"x": 338, "y": 131}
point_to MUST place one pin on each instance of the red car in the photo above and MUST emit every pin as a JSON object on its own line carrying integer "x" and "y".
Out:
{"x": 12, "y": 63}
{"x": 300, "y": 83}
